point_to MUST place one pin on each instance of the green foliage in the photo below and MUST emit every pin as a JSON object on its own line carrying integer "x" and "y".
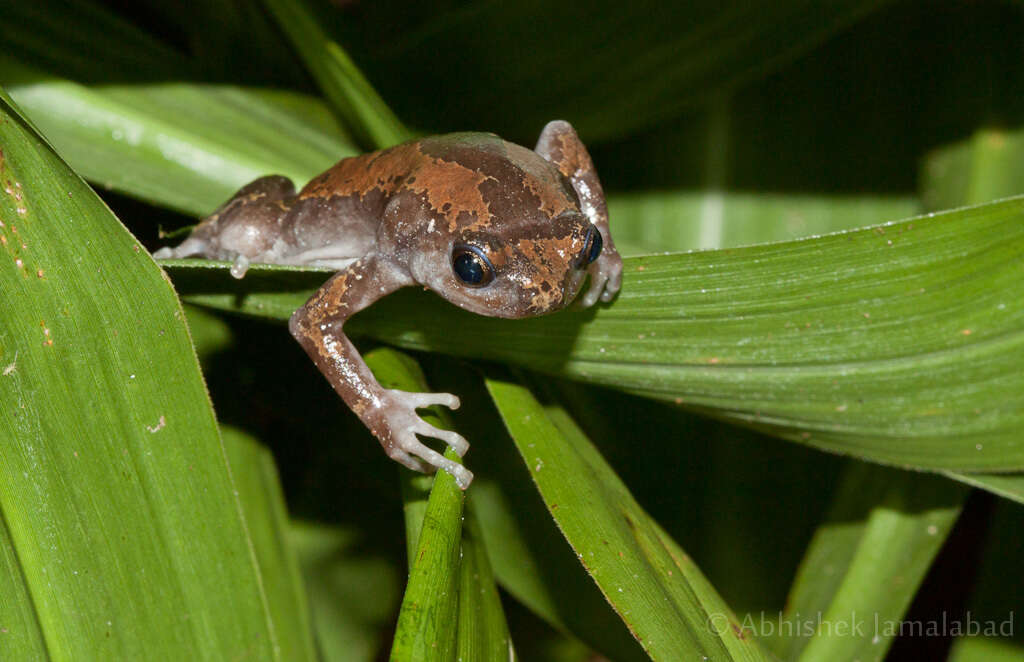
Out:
{"x": 845, "y": 299}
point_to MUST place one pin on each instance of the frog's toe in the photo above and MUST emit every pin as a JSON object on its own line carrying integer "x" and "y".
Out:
{"x": 421, "y": 400}
{"x": 399, "y": 455}
{"x": 240, "y": 266}
{"x": 188, "y": 248}
{"x": 605, "y": 280}
{"x": 612, "y": 287}
{"x": 453, "y": 439}
{"x": 597, "y": 286}
{"x": 409, "y": 443}
{"x": 615, "y": 279}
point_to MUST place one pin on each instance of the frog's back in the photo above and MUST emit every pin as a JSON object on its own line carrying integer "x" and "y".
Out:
{"x": 477, "y": 180}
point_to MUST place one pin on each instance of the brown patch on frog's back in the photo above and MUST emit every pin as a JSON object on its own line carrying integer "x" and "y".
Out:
{"x": 358, "y": 175}
{"x": 465, "y": 179}
{"x": 516, "y": 183}
{"x": 446, "y": 186}
{"x": 453, "y": 191}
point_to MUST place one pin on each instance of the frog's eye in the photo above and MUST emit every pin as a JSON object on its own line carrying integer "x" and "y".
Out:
{"x": 591, "y": 247}
{"x": 471, "y": 265}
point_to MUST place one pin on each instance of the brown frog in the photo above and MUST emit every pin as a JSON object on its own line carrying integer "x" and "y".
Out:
{"x": 491, "y": 226}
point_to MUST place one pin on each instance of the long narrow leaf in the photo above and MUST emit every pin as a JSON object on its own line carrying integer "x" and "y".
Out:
{"x": 679, "y": 221}
{"x": 427, "y": 623}
{"x": 182, "y": 145}
{"x": 363, "y": 109}
{"x": 259, "y": 492}
{"x": 483, "y": 632}
{"x": 1008, "y": 486}
{"x": 656, "y": 589}
{"x": 101, "y": 389}
{"x": 853, "y": 586}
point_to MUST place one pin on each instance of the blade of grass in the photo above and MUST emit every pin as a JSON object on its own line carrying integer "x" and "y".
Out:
{"x": 117, "y": 499}
{"x": 431, "y": 602}
{"x": 661, "y": 596}
{"x": 524, "y": 547}
{"x": 362, "y": 109}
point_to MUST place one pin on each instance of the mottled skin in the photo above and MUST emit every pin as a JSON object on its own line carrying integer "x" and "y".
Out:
{"x": 399, "y": 217}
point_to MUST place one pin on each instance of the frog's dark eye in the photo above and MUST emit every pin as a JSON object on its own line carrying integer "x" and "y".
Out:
{"x": 471, "y": 265}
{"x": 591, "y": 247}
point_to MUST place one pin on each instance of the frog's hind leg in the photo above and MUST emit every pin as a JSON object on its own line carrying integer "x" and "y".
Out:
{"x": 243, "y": 229}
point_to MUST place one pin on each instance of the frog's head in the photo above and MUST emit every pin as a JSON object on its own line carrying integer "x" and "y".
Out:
{"x": 500, "y": 230}
{"x": 520, "y": 274}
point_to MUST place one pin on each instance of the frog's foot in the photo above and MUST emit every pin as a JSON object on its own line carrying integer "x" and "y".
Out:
{"x": 188, "y": 248}
{"x": 605, "y": 278}
{"x": 240, "y": 266}
{"x": 400, "y": 412}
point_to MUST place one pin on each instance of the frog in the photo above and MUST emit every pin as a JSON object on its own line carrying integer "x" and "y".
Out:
{"x": 489, "y": 225}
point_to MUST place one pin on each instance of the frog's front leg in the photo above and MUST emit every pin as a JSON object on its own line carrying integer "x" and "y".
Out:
{"x": 389, "y": 414}
{"x": 559, "y": 144}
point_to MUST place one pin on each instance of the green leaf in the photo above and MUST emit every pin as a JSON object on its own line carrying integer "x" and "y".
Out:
{"x": 659, "y": 593}
{"x": 524, "y": 547}
{"x": 266, "y": 519}
{"x": 99, "y": 395}
{"x": 483, "y": 632}
{"x": 865, "y": 563}
{"x": 989, "y": 165}
{"x": 1008, "y": 486}
{"x": 899, "y": 344}
{"x": 363, "y": 110}
{"x": 185, "y": 146}
{"x": 659, "y": 221}
{"x": 450, "y": 575}
{"x": 431, "y": 601}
